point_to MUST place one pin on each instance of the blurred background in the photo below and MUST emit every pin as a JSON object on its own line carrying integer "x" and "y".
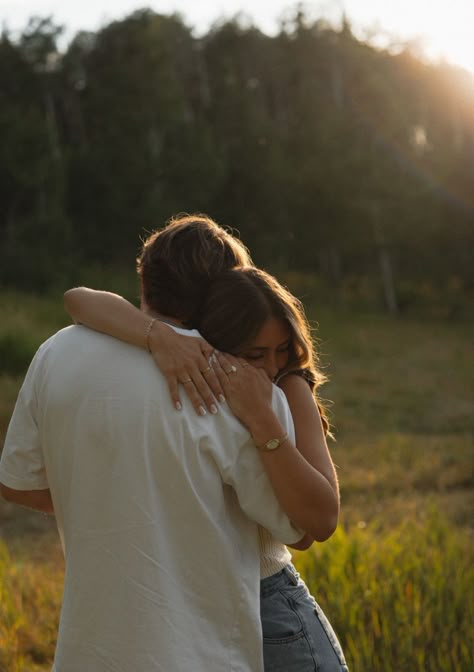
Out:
{"x": 333, "y": 156}
{"x": 337, "y": 139}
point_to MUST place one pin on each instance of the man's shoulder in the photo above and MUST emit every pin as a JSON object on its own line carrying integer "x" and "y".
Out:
{"x": 72, "y": 333}
{"x": 81, "y": 336}
{"x": 76, "y": 332}
{"x": 79, "y": 343}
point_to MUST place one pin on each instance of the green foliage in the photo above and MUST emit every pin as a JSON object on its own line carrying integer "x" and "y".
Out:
{"x": 16, "y": 352}
{"x": 26, "y": 322}
{"x": 399, "y": 601}
{"x": 329, "y": 155}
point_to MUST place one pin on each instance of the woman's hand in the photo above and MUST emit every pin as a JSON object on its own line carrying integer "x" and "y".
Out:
{"x": 180, "y": 358}
{"x": 248, "y": 391}
{"x": 302, "y": 474}
{"x": 186, "y": 360}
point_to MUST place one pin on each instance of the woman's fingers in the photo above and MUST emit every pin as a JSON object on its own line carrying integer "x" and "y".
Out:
{"x": 203, "y": 388}
{"x": 173, "y": 388}
{"x": 197, "y": 386}
{"x": 200, "y": 388}
{"x": 226, "y": 362}
{"x": 220, "y": 368}
{"x": 209, "y": 387}
{"x": 194, "y": 395}
{"x": 248, "y": 390}
{"x": 187, "y": 360}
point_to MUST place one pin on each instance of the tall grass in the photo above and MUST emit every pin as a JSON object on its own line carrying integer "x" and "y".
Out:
{"x": 401, "y": 601}
{"x": 30, "y": 597}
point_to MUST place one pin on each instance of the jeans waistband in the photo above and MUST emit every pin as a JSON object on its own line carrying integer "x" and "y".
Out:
{"x": 286, "y": 576}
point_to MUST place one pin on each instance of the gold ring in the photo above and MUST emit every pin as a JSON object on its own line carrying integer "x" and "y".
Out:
{"x": 206, "y": 370}
{"x": 245, "y": 364}
{"x": 187, "y": 380}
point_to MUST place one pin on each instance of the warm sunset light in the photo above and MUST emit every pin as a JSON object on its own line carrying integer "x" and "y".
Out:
{"x": 438, "y": 30}
{"x": 441, "y": 30}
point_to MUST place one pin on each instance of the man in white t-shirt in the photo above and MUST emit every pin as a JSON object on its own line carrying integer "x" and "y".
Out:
{"x": 157, "y": 509}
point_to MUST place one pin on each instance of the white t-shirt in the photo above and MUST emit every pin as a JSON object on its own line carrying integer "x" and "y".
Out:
{"x": 155, "y": 507}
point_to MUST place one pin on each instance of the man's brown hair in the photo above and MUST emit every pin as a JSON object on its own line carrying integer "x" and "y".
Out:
{"x": 178, "y": 262}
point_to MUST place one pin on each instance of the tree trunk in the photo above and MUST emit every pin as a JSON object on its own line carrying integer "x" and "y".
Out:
{"x": 386, "y": 269}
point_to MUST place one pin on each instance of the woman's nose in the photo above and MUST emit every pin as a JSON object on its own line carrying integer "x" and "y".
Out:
{"x": 271, "y": 367}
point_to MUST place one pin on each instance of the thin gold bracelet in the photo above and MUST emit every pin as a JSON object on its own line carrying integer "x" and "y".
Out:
{"x": 148, "y": 332}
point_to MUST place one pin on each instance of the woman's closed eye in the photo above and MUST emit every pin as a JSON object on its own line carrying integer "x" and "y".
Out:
{"x": 253, "y": 356}
{"x": 257, "y": 354}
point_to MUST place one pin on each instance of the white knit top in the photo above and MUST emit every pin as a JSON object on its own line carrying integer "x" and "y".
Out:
{"x": 273, "y": 554}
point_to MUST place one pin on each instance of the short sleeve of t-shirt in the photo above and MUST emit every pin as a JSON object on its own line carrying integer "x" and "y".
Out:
{"x": 22, "y": 464}
{"x": 246, "y": 474}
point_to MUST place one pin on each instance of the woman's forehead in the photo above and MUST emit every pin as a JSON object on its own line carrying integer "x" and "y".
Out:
{"x": 273, "y": 332}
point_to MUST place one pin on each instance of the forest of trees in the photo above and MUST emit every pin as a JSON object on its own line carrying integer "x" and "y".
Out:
{"x": 329, "y": 156}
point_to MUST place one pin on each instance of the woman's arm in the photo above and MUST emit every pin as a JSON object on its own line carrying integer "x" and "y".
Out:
{"x": 302, "y": 475}
{"x": 179, "y": 357}
{"x": 310, "y": 436}
{"x": 40, "y": 500}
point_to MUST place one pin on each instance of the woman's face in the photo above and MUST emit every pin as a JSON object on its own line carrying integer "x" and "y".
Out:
{"x": 270, "y": 347}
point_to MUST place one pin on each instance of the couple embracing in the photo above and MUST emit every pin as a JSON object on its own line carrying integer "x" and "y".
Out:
{"x": 178, "y": 487}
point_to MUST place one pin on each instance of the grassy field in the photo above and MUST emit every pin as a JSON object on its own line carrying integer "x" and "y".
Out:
{"x": 397, "y": 578}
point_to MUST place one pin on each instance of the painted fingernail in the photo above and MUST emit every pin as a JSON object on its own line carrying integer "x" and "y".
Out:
{"x": 221, "y": 398}
{"x": 202, "y": 410}
{"x": 213, "y": 408}
{"x": 178, "y": 406}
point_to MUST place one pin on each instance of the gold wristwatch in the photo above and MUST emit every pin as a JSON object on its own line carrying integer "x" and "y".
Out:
{"x": 273, "y": 444}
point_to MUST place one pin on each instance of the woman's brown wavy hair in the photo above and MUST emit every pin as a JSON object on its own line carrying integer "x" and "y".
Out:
{"x": 238, "y": 303}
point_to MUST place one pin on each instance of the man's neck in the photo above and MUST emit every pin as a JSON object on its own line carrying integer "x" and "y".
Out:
{"x": 173, "y": 321}
{"x": 168, "y": 319}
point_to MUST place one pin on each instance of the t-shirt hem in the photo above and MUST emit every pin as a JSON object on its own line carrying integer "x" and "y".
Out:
{"x": 20, "y": 483}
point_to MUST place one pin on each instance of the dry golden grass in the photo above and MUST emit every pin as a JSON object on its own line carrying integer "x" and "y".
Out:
{"x": 31, "y": 578}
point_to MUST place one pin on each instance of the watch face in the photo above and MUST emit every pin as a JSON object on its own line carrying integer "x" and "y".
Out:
{"x": 272, "y": 444}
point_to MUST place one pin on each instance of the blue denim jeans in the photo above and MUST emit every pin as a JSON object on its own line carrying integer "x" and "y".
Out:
{"x": 297, "y": 636}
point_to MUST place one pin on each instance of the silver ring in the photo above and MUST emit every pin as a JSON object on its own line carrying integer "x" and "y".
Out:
{"x": 233, "y": 369}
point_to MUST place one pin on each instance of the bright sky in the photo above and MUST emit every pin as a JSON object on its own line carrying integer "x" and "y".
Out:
{"x": 445, "y": 28}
